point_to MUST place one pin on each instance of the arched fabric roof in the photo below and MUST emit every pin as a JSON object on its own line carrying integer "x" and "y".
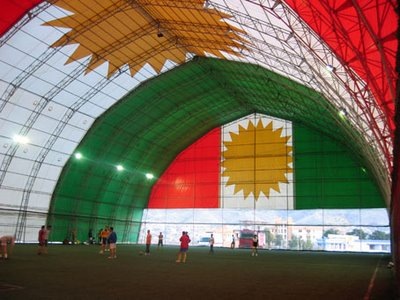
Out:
{"x": 70, "y": 68}
{"x": 219, "y": 91}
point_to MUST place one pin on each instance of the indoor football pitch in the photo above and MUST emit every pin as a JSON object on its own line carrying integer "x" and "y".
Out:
{"x": 80, "y": 272}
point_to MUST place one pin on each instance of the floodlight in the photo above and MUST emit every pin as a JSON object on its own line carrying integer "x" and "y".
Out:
{"x": 330, "y": 68}
{"x": 20, "y": 139}
{"x": 343, "y": 112}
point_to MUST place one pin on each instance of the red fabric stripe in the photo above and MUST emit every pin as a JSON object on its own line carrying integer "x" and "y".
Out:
{"x": 352, "y": 30}
{"x": 12, "y": 11}
{"x": 192, "y": 179}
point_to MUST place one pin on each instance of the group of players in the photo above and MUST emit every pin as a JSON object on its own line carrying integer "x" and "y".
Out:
{"x": 184, "y": 245}
{"x": 108, "y": 237}
{"x": 7, "y": 243}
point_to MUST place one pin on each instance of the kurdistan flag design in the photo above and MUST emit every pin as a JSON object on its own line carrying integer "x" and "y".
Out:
{"x": 65, "y": 63}
{"x": 244, "y": 164}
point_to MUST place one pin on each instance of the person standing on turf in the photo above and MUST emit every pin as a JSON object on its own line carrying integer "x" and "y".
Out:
{"x": 160, "y": 240}
{"x": 185, "y": 240}
{"x": 104, "y": 236}
{"x": 254, "y": 251}
{"x": 211, "y": 242}
{"x": 46, "y": 238}
{"x": 41, "y": 240}
{"x": 112, "y": 241}
{"x": 148, "y": 243}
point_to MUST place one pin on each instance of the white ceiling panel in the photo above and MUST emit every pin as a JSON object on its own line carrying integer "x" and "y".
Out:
{"x": 50, "y": 172}
{"x": 64, "y": 146}
{"x": 81, "y": 121}
{"x": 72, "y": 133}
{"x": 44, "y": 185}
{"x": 17, "y": 181}
{"x": 56, "y": 158}
{"x": 39, "y": 201}
{"x": 20, "y": 166}
{"x": 10, "y": 199}
{"x": 45, "y": 124}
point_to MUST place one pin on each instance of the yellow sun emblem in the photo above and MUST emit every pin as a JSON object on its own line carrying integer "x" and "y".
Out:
{"x": 133, "y": 33}
{"x": 257, "y": 159}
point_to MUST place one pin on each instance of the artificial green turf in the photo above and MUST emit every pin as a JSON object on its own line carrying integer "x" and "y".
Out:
{"x": 80, "y": 272}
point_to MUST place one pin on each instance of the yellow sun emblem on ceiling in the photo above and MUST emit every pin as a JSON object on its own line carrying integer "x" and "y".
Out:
{"x": 257, "y": 159}
{"x": 133, "y": 33}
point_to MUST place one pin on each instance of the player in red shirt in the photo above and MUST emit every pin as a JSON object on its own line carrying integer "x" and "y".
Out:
{"x": 185, "y": 240}
{"x": 42, "y": 240}
{"x": 148, "y": 243}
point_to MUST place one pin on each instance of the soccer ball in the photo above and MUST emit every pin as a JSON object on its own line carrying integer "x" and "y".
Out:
{"x": 141, "y": 252}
